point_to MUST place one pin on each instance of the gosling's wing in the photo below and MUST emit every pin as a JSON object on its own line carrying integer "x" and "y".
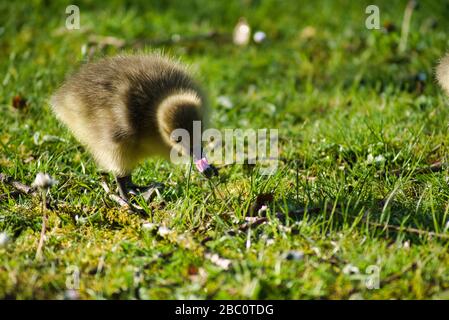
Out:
{"x": 92, "y": 103}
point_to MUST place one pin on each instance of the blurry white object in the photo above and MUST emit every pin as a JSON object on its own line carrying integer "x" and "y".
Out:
{"x": 225, "y": 102}
{"x": 242, "y": 32}
{"x": 149, "y": 226}
{"x": 4, "y": 239}
{"x": 163, "y": 231}
{"x": 259, "y": 37}
{"x": 43, "y": 181}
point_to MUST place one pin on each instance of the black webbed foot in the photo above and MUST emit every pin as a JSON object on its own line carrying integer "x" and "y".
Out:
{"x": 126, "y": 189}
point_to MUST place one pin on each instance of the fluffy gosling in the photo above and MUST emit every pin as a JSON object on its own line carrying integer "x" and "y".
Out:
{"x": 442, "y": 73}
{"x": 124, "y": 109}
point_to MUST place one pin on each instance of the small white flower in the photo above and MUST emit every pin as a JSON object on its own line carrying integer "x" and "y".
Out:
{"x": 317, "y": 251}
{"x": 175, "y": 37}
{"x": 225, "y": 102}
{"x": 259, "y": 36}
{"x": 294, "y": 255}
{"x": 285, "y": 229}
{"x": 379, "y": 159}
{"x": 369, "y": 159}
{"x": 356, "y": 296}
{"x": 336, "y": 247}
{"x": 221, "y": 262}
{"x": 250, "y": 219}
{"x": 71, "y": 294}
{"x": 84, "y": 50}
{"x": 4, "y": 239}
{"x": 80, "y": 220}
{"x": 50, "y": 138}
{"x": 350, "y": 269}
{"x": 149, "y": 226}
{"x": 163, "y": 231}
{"x": 406, "y": 245}
{"x": 36, "y": 137}
{"x": 43, "y": 181}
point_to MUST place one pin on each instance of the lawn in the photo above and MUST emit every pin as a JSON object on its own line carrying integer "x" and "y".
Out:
{"x": 357, "y": 209}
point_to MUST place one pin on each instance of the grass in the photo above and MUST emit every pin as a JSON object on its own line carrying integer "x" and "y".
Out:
{"x": 359, "y": 123}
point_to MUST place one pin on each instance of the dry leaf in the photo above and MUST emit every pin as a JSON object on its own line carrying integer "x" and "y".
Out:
{"x": 263, "y": 199}
{"x": 19, "y": 102}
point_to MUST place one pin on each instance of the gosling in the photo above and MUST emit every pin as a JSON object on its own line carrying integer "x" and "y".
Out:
{"x": 442, "y": 73}
{"x": 124, "y": 109}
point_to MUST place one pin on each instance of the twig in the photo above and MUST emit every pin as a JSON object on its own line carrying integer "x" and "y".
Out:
{"x": 406, "y": 25}
{"x": 434, "y": 167}
{"x": 403, "y": 229}
{"x": 44, "y": 225}
{"x": 12, "y": 194}
{"x": 106, "y": 41}
{"x": 407, "y": 229}
{"x": 297, "y": 213}
{"x": 244, "y": 227}
{"x": 19, "y": 186}
{"x": 389, "y": 279}
{"x": 102, "y": 41}
{"x": 398, "y": 275}
{"x": 188, "y": 178}
{"x": 176, "y": 39}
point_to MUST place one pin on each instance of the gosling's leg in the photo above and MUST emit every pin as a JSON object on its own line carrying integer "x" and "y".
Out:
{"x": 124, "y": 186}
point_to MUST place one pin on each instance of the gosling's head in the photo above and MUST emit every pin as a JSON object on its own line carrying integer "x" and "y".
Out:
{"x": 180, "y": 117}
{"x": 442, "y": 73}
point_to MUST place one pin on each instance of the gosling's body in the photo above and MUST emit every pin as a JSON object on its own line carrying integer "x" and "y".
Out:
{"x": 123, "y": 109}
{"x": 442, "y": 73}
